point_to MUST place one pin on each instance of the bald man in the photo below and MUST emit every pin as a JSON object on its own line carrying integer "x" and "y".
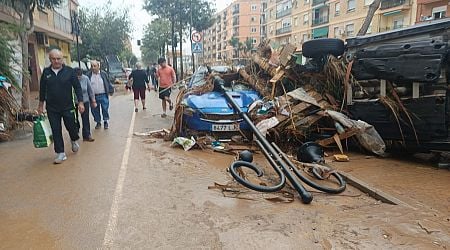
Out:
{"x": 58, "y": 82}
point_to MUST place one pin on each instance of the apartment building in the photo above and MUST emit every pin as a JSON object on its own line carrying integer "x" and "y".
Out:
{"x": 242, "y": 19}
{"x": 53, "y": 28}
{"x": 432, "y": 9}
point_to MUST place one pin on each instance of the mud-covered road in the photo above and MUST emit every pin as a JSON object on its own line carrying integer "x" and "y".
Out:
{"x": 129, "y": 192}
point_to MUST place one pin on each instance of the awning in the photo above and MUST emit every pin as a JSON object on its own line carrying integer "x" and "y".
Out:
{"x": 320, "y": 32}
{"x": 390, "y": 13}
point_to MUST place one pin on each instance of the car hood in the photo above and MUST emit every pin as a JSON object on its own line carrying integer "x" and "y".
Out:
{"x": 215, "y": 102}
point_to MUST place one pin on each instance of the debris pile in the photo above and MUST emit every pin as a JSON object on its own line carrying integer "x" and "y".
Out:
{"x": 8, "y": 110}
{"x": 299, "y": 103}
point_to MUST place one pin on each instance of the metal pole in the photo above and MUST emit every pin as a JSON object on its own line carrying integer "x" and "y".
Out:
{"x": 190, "y": 35}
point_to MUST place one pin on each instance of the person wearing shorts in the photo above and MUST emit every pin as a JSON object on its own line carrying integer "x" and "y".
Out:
{"x": 140, "y": 83}
{"x": 166, "y": 78}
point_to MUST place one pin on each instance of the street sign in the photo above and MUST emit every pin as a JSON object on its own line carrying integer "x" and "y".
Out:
{"x": 197, "y": 37}
{"x": 197, "y": 47}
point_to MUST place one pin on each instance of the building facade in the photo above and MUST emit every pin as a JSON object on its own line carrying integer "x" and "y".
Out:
{"x": 432, "y": 9}
{"x": 242, "y": 19}
{"x": 52, "y": 29}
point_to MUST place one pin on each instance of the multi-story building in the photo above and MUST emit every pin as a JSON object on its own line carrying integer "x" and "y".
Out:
{"x": 297, "y": 21}
{"x": 242, "y": 19}
{"x": 52, "y": 29}
{"x": 432, "y": 9}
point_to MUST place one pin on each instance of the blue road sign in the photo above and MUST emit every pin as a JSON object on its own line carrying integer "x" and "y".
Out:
{"x": 197, "y": 47}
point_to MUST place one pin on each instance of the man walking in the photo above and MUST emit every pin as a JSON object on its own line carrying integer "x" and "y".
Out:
{"x": 140, "y": 83}
{"x": 152, "y": 73}
{"x": 88, "y": 99}
{"x": 56, "y": 85}
{"x": 101, "y": 87}
{"x": 166, "y": 78}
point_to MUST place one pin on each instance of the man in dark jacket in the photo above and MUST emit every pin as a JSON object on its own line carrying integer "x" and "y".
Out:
{"x": 101, "y": 87}
{"x": 56, "y": 85}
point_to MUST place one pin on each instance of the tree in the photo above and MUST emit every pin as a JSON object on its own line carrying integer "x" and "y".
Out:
{"x": 156, "y": 36}
{"x": 236, "y": 44}
{"x": 24, "y": 10}
{"x": 248, "y": 45}
{"x": 182, "y": 14}
{"x": 103, "y": 32}
{"x": 373, "y": 7}
{"x": 7, "y": 54}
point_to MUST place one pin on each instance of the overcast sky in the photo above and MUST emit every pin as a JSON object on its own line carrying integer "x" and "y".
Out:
{"x": 139, "y": 17}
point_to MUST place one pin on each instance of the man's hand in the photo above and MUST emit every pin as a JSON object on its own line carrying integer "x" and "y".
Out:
{"x": 93, "y": 104}
{"x": 81, "y": 107}
{"x": 40, "y": 108}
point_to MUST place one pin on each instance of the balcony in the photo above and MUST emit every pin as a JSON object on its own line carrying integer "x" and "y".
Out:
{"x": 387, "y": 4}
{"x": 236, "y": 11}
{"x": 395, "y": 27}
{"x": 283, "y": 30}
{"x": 317, "y": 2}
{"x": 320, "y": 20}
{"x": 284, "y": 13}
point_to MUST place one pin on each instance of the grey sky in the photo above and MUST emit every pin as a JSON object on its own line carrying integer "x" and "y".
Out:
{"x": 139, "y": 17}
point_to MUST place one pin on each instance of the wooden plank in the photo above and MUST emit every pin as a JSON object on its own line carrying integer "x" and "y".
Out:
{"x": 372, "y": 191}
{"x": 382, "y": 87}
{"x": 416, "y": 90}
{"x": 345, "y": 135}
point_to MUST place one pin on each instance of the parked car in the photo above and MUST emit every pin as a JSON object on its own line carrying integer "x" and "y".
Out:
{"x": 210, "y": 113}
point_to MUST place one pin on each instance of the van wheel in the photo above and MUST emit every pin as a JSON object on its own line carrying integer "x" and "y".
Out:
{"x": 322, "y": 47}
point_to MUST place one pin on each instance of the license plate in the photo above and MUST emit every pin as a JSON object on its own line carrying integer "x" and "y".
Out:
{"x": 225, "y": 127}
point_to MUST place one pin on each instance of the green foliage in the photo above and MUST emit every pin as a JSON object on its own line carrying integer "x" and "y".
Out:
{"x": 156, "y": 37}
{"x": 103, "y": 32}
{"x": 7, "y": 52}
{"x": 127, "y": 58}
{"x": 248, "y": 45}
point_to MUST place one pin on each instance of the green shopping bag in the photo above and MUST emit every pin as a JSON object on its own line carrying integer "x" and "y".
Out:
{"x": 42, "y": 132}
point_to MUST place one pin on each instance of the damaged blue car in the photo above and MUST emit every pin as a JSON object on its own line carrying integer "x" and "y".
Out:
{"x": 209, "y": 113}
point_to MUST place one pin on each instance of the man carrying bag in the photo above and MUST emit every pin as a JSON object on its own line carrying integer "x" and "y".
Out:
{"x": 58, "y": 82}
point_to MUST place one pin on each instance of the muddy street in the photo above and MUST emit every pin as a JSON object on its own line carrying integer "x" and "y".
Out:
{"x": 131, "y": 192}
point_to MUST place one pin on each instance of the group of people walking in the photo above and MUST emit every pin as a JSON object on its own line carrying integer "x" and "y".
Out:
{"x": 66, "y": 92}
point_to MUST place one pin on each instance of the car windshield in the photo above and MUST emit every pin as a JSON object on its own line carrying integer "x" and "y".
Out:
{"x": 198, "y": 79}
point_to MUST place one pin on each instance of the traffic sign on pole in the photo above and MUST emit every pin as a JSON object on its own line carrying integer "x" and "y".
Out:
{"x": 197, "y": 37}
{"x": 197, "y": 47}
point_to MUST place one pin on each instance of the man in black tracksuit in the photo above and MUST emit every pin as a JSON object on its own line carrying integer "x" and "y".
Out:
{"x": 57, "y": 87}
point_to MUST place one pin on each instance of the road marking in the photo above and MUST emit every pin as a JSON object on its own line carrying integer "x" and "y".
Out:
{"x": 112, "y": 222}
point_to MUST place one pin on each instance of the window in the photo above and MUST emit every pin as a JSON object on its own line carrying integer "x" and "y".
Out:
{"x": 295, "y": 21}
{"x": 336, "y": 32}
{"x": 304, "y": 37}
{"x": 439, "y": 12}
{"x": 368, "y": 2}
{"x": 253, "y": 30}
{"x": 254, "y": 41}
{"x": 337, "y": 9}
{"x": 254, "y": 7}
{"x": 252, "y": 19}
{"x": 350, "y": 29}
{"x": 351, "y": 5}
{"x": 306, "y": 2}
{"x": 398, "y": 23}
{"x": 305, "y": 19}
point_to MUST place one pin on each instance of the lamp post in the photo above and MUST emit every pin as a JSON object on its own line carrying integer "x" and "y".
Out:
{"x": 76, "y": 32}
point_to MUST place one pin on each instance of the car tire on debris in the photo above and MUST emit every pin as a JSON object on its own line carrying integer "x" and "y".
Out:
{"x": 322, "y": 47}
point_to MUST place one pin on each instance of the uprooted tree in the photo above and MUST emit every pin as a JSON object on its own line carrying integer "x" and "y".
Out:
{"x": 373, "y": 7}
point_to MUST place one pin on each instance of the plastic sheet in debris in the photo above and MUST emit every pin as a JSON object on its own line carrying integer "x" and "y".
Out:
{"x": 368, "y": 138}
{"x": 186, "y": 143}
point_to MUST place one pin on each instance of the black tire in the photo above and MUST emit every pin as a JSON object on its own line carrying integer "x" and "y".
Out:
{"x": 322, "y": 47}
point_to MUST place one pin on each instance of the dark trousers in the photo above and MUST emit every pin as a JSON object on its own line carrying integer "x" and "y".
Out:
{"x": 70, "y": 118}
{"x": 86, "y": 131}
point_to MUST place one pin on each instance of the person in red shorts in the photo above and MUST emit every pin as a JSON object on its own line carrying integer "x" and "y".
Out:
{"x": 140, "y": 83}
{"x": 166, "y": 78}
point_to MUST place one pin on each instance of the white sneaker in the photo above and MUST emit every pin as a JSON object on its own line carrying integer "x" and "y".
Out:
{"x": 75, "y": 146}
{"x": 60, "y": 157}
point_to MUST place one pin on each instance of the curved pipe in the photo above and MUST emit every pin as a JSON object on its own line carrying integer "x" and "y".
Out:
{"x": 341, "y": 181}
{"x": 239, "y": 164}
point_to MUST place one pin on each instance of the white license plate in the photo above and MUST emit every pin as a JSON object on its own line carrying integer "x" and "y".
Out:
{"x": 225, "y": 127}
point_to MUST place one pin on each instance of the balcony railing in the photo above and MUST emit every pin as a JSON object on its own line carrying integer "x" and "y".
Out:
{"x": 395, "y": 27}
{"x": 317, "y": 2}
{"x": 236, "y": 11}
{"x": 284, "y": 13}
{"x": 387, "y": 4}
{"x": 320, "y": 20}
{"x": 62, "y": 23}
{"x": 283, "y": 30}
